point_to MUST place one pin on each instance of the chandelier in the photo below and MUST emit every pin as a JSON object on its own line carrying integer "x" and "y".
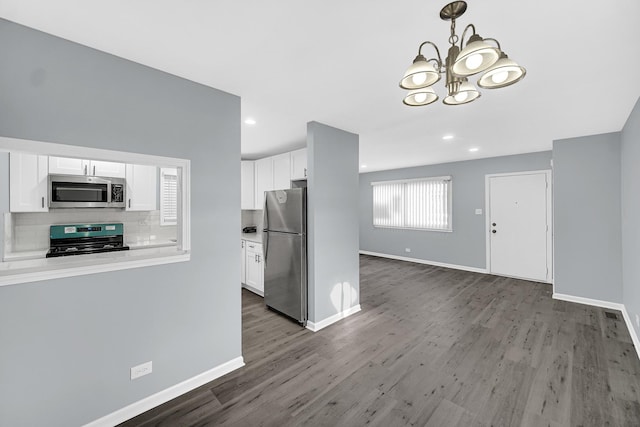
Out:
{"x": 476, "y": 56}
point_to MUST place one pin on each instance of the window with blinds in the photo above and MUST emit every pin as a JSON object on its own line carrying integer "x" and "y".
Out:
{"x": 168, "y": 196}
{"x": 423, "y": 204}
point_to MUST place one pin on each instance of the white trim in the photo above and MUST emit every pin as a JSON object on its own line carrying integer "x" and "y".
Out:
{"x": 632, "y": 330}
{"x": 167, "y": 394}
{"x": 428, "y": 178}
{"x": 550, "y": 234}
{"x": 589, "y": 301}
{"x": 254, "y": 290}
{"x": 316, "y": 326}
{"x": 609, "y": 305}
{"x": 113, "y": 265}
{"x": 424, "y": 261}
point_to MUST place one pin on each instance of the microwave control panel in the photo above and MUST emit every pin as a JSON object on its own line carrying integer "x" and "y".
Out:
{"x": 117, "y": 193}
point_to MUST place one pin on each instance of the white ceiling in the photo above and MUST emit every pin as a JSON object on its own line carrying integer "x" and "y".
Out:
{"x": 339, "y": 63}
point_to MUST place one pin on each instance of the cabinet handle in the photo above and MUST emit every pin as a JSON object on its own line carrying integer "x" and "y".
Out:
{"x": 305, "y": 172}
{"x": 129, "y": 203}
{"x": 85, "y": 169}
{"x": 94, "y": 171}
{"x": 43, "y": 201}
{"x": 242, "y": 243}
{"x": 258, "y": 259}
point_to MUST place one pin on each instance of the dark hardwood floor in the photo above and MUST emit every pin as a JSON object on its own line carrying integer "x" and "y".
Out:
{"x": 431, "y": 347}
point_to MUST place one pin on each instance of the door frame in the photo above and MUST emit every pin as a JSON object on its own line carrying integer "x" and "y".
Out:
{"x": 487, "y": 211}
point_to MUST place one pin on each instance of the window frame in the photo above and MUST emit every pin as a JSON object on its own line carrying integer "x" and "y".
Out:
{"x": 449, "y": 203}
{"x": 168, "y": 172}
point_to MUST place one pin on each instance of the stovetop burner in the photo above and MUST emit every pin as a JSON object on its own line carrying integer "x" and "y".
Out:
{"x": 68, "y": 240}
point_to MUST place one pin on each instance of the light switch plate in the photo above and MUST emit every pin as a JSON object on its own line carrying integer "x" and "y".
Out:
{"x": 478, "y": 211}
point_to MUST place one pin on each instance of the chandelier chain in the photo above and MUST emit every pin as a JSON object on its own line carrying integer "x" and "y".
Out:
{"x": 453, "y": 38}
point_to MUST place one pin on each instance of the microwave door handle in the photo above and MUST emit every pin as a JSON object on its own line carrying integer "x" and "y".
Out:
{"x": 108, "y": 192}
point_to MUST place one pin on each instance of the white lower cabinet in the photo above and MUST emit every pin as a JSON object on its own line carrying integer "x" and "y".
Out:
{"x": 243, "y": 262}
{"x": 254, "y": 279}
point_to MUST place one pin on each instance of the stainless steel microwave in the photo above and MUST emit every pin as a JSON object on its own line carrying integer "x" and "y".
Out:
{"x": 79, "y": 191}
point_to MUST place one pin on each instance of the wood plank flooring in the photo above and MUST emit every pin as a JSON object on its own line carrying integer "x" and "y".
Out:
{"x": 431, "y": 347}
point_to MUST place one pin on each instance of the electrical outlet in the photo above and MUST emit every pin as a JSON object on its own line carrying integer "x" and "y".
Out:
{"x": 141, "y": 370}
{"x": 638, "y": 321}
{"x": 407, "y": 249}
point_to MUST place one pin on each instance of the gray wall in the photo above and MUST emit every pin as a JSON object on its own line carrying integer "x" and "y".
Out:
{"x": 630, "y": 150}
{"x": 67, "y": 345}
{"x": 466, "y": 245}
{"x": 586, "y": 214}
{"x": 334, "y": 278}
{"x": 4, "y": 196}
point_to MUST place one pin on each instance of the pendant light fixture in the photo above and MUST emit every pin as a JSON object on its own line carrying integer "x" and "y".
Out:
{"x": 477, "y": 55}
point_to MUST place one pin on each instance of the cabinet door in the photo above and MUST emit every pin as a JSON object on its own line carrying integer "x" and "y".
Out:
{"x": 264, "y": 180}
{"x": 282, "y": 171}
{"x": 68, "y": 166}
{"x": 255, "y": 273}
{"x": 28, "y": 183}
{"x": 243, "y": 262}
{"x": 247, "y": 180}
{"x": 110, "y": 169}
{"x": 299, "y": 164}
{"x": 142, "y": 187}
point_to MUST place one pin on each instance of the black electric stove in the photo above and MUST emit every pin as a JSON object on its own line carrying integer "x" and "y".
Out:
{"x": 82, "y": 239}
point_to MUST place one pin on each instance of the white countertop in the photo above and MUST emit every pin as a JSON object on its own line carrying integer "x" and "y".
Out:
{"x": 252, "y": 237}
{"x": 28, "y": 270}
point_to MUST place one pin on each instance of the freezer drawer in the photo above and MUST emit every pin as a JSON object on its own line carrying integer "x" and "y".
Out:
{"x": 285, "y": 274}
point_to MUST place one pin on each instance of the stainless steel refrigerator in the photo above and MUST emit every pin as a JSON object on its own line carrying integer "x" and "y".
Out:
{"x": 284, "y": 242}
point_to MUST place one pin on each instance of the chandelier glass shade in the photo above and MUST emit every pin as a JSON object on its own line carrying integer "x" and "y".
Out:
{"x": 477, "y": 55}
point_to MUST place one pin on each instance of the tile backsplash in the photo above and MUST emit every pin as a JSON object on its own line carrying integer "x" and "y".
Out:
{"x": 30, "y": 231}
{"x": 251, "y": 217}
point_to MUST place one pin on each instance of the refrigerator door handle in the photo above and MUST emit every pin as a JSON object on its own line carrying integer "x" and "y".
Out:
{"x": 265, "y": 245}
{"x": 265, "y": 234}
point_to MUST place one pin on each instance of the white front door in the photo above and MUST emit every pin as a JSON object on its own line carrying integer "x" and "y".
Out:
{"x": 520, "y": 225}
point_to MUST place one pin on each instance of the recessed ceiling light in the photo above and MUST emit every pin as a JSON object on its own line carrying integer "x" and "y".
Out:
{"x": 447, "y": 137}
{"x": 250, "y": 121}
{"x": 473, "y": 150}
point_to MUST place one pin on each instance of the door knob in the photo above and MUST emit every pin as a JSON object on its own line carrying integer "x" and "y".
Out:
{"x": 493, "y": 231}
{"x": 494, "y": 224}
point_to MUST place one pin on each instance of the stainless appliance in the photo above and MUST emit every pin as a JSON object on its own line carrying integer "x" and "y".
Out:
{"x": 81, "y": 239}
{"x": 79, "y": 191}
{"x": 284, "y": 245}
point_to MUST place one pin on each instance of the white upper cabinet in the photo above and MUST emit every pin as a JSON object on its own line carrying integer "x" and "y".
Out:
{"x": 281, "y": 171}
{"x": 110, "y": 169}
{"x": 247, "y": 185}
{"x": 142, "y": 188}
{"x": 264, "y": 179}
{"x": 299, "y": 164}
{"x": 28, "y": 183}
{"x": 69, "y": 166}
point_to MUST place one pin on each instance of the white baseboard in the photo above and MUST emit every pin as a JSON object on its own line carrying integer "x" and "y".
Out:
{"x": 315, "y": 327}
{"x": 166, "y": 395}
{"x": 254, "y": 290}
{"x": 589, "y": 301}
{"x": 632, "y": 331}
{"x": 424, "y": 261}
{"x": 610, "y": 305}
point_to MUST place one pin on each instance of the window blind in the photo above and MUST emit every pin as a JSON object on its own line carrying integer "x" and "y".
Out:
{"x": 168, "y": 196}
{"x": 423, "y": 204}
